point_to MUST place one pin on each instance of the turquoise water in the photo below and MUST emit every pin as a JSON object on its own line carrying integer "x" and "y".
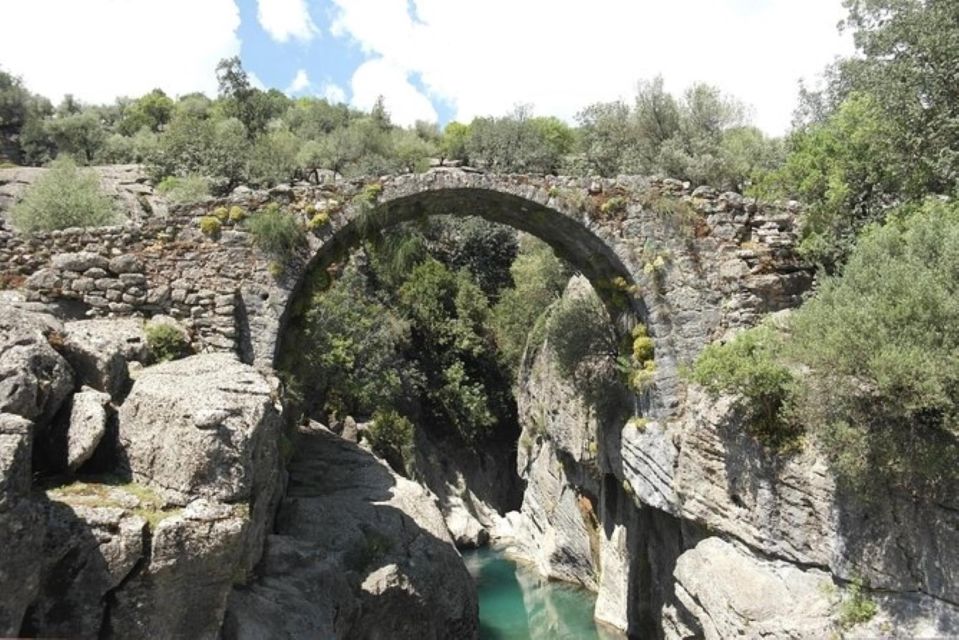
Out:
{"x": 517, "y": 604}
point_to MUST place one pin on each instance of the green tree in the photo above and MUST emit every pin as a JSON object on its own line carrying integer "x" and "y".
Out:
{"x": 151, "y": 111}
{"x": 184, "y": 145}
{"x": 313, "y": 118}
{"x": 391, "y": 437}
{"x": 411, "y": 151}
{"x": 273, "y": 158}
{"x": 228, "y": 158}
{"x": 606, "y": 137}
{"x": 481, "y": 247}
{"x": 79, "y": 134}
{"x": 868, "y": 365}
{"x": 355, "y": 358}
{"x": 847, "y": 171}
{"x": 239, "y": 99}
{"x": 518, "y": 142}
{"x": 539, "y": 278}
{"x": 63, "y": 197}
{"x": 454, "y": 141}
{"x": 883, "y": 131}
{"x": 14, "y": 103}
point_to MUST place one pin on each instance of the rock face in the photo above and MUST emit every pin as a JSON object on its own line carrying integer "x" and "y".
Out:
{"x": 700, "y": 532}
{"x": 473, "y": 487}
{"x": 126, "y": 184}
{"x": 558, "y": 528}
{"x": 724, "y": 591}
{"x": 87, "y": 552}
{"x": 359, "y": 552}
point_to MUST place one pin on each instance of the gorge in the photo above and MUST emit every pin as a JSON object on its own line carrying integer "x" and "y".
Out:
{"x": 186, "y": 498}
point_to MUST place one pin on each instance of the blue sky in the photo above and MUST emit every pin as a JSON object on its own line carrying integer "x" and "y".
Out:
{"x": 430, "y": 59}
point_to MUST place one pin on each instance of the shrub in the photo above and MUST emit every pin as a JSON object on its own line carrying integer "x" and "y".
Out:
{"x": 640, "y": 375}
{"x": 318, "y": 220}
{"x": 748, "y": 366}
{"x": 642, "y": 344}
{"x": 166, "y": 342}
{"x": 237, "y": 214}
{"x": 613, "y": 206}
{"x": 370, "y": 193}
{"x": 391, "y": 437}
{"x": 210, "y": 226}
{"x": 276, "y": 232}
{"x": 881, "y": 341}
{"x": 186, "y": 190}
{"x": 221, "y": 213}
{"x": 857, "y": 607}
{"x": 63, "y": 197}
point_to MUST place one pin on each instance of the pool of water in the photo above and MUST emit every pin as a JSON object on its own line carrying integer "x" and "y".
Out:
{"x": 515, "y": 603}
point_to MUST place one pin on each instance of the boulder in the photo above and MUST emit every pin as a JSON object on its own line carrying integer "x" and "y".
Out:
{"x": 723, "y": 591}
{"x": 99, "y": 351}
{"x": 466, "y": 530}
{"x": 359, "y": 552}
{"x": 21, "y": 525}
{"x": 79, "y": 261}
{"x": 16, "y": 447}
{"x": 205, "y": 426}
{"x": 22, "y": 528}
{"x": 34, "y": 378}
{"x": 87, "y": 426}
{"x": 87, "y": 552}
{"x": 300, "y": 591}
{"x": 182, "y": 592}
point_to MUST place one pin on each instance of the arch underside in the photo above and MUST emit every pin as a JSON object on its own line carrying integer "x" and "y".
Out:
{"x": 571, "y": 239}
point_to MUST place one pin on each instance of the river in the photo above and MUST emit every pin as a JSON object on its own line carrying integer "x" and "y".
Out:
{"x": 515, "y": 603}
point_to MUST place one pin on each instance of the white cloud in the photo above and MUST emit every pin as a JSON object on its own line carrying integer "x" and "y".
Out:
{"x": 285, "y": 19}
{"x": 300, "y": 82}
{"x": 333, "y": 93}
{"x": 561, "y": 56}
{"x": 99, "y": 49}
{"x": 379, "y": 77}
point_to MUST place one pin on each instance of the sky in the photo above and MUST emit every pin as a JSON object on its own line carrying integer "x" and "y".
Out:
{"x": 437, "y": 60}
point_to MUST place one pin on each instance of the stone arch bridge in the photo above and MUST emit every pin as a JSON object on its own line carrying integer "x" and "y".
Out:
{"x": 691, "y": 264}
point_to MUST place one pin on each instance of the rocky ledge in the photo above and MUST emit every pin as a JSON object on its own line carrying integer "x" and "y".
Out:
{"x": 127, "y": 511}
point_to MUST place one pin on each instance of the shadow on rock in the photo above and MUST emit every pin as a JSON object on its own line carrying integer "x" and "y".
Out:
{"x": 359, "y": 552}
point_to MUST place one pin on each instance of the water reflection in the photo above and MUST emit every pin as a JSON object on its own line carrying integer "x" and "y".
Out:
{"x": 517, "y": 604}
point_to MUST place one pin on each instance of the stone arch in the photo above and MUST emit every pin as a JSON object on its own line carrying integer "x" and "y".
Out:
{"x": 547, "y": 212}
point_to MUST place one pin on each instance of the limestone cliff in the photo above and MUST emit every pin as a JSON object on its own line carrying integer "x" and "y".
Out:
{"x": 686, "y": 527}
